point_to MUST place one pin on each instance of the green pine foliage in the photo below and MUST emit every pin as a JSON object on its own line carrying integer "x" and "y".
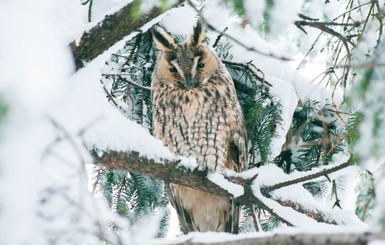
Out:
{"x": 318, "y": 189}
{"x": 265, "y": 27}
{"x": 128, "y": 77}
{"x": 270, "y": 223}
{"x": 126, "y": 82}
{"x": 316, "y": 135}
{"x": 262, "y": 110}
{"x": 132, "y": 195}
{"x": 352, "y": 130}
{"x": 365, "y": 195}
{"x": 3, "y": 109}
{"x": 261, "y": 121}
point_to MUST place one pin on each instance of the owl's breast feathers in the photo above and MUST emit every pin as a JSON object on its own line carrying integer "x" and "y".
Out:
{"x": 204, "y": 122}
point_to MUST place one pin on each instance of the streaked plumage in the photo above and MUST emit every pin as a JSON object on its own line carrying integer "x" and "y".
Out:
{"x": 196, "y": 113}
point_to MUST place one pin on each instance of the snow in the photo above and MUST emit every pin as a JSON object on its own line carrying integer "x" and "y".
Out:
{"x": 295, "y": 218}
{"x": 109, "y": 129}
{"x": 283, "y": 16}
{"x": 42, "y": 154}
{"x": 189, "y": 163}
{"x": 101, "y": 8}
{"x": 220, "y": 237}
{"x": 29, "y": 80}
{"x": 175, "y": 15}
{"x": 287, "y": 97}
{"x": 53, "y": 112}
{"x": 219, "y": 179}
{"x": 377, "y": 242}
{"x": 254, "y": 12}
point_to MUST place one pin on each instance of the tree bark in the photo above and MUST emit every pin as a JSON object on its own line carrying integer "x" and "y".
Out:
{"x": 164, "y": 169}
{"x": 106, "y": 33}
{"x": 345, "y": 238}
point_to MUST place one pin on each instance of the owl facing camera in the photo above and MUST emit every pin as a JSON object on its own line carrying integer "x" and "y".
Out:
{"x": 196, "y": 113}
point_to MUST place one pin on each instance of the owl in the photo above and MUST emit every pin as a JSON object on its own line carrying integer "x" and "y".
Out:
{"x": 196, "y": 113}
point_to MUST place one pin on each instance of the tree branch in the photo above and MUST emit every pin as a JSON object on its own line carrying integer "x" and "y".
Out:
{"x": 326, "y": 238}
{"x": 305, "y": 178}
{"x": 106, "y": 33}
{"x": 323, "y": 27}
{"x": 316, "y": 215}
{"x": 163, "y": 169}
{"x": 171, "y": 172}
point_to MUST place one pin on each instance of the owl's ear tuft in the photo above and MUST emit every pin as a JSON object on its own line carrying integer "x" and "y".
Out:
{"x": 198, "y": 34}
{"x": 162, "y": 39}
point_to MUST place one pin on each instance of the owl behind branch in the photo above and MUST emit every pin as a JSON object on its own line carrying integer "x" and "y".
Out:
{"x": 196, "y": 113}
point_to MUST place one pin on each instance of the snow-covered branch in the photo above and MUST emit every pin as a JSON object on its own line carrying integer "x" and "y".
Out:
{"x": 163, "y": 169}
{"x": 112, "y": 29}
{"x": 306, "y": 177}
{"x": 172, "y": 171}
{"x": 290, "y": 238}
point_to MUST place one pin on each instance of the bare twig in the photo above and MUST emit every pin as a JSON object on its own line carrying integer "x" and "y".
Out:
{"x": 323, "y": 27}
{"x": 305, "y": 178}
{"x": 315, "y": 214}
{"x": 219, "y": 37}
{"x": 247, "y": 67}
{"x": 129, "y": 81}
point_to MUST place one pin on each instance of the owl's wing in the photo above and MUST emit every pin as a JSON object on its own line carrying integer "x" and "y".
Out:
{"x": 184, "y": 217}
{"x": 232, "y": 219}
{"x": 237, "y": 161}
{"x": 237, "y": 152}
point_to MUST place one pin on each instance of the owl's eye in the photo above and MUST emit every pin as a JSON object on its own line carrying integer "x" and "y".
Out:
{"x": 173, "y": 70}
{"x": 200, "y": 65}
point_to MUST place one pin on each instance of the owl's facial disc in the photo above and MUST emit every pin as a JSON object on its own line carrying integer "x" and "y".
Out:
{"x": 187, "y": 73}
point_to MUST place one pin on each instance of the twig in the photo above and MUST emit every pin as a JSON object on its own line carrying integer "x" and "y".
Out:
{"x": 129, "y": 81}
{"x": 308, "y": 52}
{"x": 255, "y": 220}
{"x": 68, "y": 137}
{"x": 247, "y": 67}
{"x": 219, "y": 37}
{"x": 301, "y": 209}
{"x": 109, "y": 96}
{"x": 136, "y": 46}
{"x": 323, "y": 172}
{"x": 352, "y": 9}
{"x": 323, "y": 27}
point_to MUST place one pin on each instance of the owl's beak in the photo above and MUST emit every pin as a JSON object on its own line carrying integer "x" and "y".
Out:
{"x": 189, "y": 83}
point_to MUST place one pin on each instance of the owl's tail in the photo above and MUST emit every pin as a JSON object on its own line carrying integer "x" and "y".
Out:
{"x": 200, "y": 211}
